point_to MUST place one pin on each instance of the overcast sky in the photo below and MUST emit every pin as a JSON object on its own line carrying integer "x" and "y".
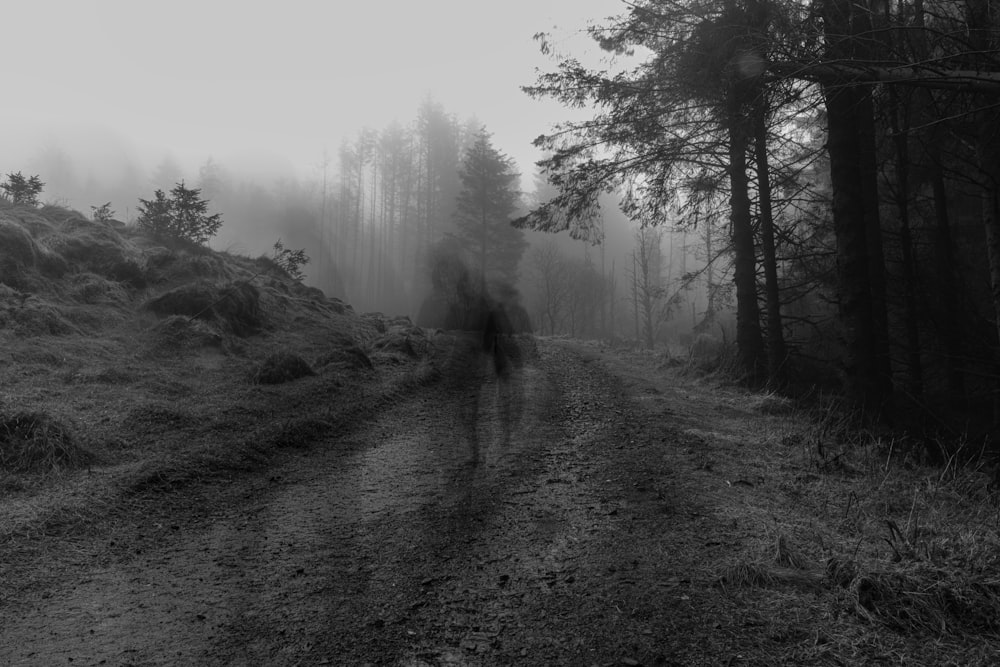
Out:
{"x": 282, "y": 79}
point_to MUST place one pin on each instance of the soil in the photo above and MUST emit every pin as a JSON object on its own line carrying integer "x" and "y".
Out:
{"x": 583, "y": 509}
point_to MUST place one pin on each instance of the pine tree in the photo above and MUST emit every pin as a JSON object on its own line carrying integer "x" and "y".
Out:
{"x": 182, "y": 215}
{"x": 22, "y": 191}
{"x": 156, "y": 214}
{"x": 486, "y": 205}
{"x": 191, "y": 214}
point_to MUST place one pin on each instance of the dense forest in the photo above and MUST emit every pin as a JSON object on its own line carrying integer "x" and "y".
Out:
{"x": 850, "y": 150}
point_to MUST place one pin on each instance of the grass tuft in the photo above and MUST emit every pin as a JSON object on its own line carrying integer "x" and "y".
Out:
{"x": 924, "y": 600}
{"x": 35, "y": 442}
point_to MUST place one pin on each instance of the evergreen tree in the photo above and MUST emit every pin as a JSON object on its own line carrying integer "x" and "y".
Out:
{"x": 183, "y": 215}
{"x": 103, "y": 213}
{"x": 191, "y": 214}
{"x": 486, "y": 205}
{"x": 156, "y": 214}
{"x": 21, "y": 190}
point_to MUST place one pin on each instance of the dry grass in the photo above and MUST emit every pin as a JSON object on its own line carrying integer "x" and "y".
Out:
{"x": 839, "y": 538}
{"x": 151, "y": 399}
{"x": 36, "y": 442}
{"x": 910, "y": 550}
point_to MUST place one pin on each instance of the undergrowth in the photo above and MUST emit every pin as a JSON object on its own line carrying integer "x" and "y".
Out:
{"x": 902, "y": 545}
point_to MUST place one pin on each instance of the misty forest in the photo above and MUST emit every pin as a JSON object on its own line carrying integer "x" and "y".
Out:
{"x": 716, "y": 380}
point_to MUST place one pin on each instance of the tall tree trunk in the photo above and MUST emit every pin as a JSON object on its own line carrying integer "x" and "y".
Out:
{"x": 980, "y": 16}
{"x": 482, "y": 254}
{"x": 775, "y": 336}
{"x": 372, "y": 225}
{"x": 850, "y": 148}
{"x": 324, "y": 240}
{"x": 604, "y": 289}
{"x": 900, "y": 132}
{"x": 611, "y": 298}
{"x": 853, "y": 285}
{"x": 991, "y": 227}
{"x": 944, "y": 249}
{"x": 358, "y": 215}
{"x": 944, "y": 253}
{"x": 635, "y": 294}
{"x": 749, "y": 341}
{"x": 991, "y": 223}
{"x": 709, "y": 318}
{"x": 868, "y": 171}
{"x": 408, "y": 220}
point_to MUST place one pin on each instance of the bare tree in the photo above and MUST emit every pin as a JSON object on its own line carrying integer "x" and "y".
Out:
{"x": 547, "y": 271}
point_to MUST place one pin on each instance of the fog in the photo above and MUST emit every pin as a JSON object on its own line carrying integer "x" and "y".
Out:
{"x": 269, "y": 80}
{"x": 260, "y": 106}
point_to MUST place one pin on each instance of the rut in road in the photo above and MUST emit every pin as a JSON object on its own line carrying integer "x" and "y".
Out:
{"x": 360, "y": 551}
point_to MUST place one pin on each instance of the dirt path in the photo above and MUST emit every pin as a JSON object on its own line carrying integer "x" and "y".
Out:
{"x": 570, "y": 515}
{"x": 436, "y": 534}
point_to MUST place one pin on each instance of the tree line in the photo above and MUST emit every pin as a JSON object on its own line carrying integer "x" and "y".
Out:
{"x": 850, "y": 149}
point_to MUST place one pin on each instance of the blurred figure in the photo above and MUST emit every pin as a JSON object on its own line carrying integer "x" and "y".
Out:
{"x": 486, "y": 353}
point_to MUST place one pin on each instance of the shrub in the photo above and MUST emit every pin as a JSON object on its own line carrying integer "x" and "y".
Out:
{"x": 102, "y": 213}
{"x": 290, "y": 261}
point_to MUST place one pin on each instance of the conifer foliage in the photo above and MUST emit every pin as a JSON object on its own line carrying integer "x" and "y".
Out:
{"x": 489, "y": 200}
{"x": 181, "y": 215}
{"x": 22, "y": 191}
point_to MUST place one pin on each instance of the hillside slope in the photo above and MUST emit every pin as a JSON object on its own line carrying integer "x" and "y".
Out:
{"x": 130, "y": 361}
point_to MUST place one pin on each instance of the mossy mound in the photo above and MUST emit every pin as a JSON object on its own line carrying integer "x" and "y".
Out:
{"x": 281, "y": 367}
{"x": 350, "y": 356}
{"x": 408, "y": 341}
{"x": 32, "y": 220}
{"x": 235, "y": 307}
{"x": 180, "y": 332}
{"x": 28, "y": 316}
{"x": 93, "y": 247}
{"x": 90, "y": 288}
{"x": 17, "y": 243}
{"x": 194, "y": 264}
{"x": 128, "y": 272}
{"x": 376, "y": 321}
{"x": 22, "y": 260}
{"x": 60, "y": 214}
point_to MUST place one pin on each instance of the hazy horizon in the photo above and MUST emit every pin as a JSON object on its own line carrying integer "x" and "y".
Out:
{"x": 272, "y": 87}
